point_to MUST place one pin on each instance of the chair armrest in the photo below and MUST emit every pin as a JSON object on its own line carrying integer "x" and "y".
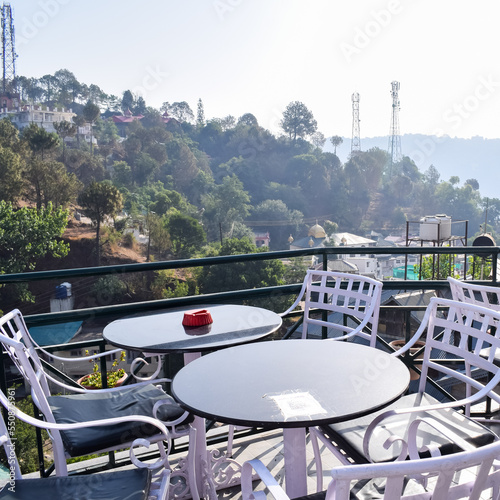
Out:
{"x": 416, "y": 336}
{"x": 413, "y": 430}
{"x": 275, "y": 490}
{"x": 82, "y": 390}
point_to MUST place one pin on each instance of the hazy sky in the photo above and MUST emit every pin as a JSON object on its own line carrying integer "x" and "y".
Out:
{"x": 257, "y": 56}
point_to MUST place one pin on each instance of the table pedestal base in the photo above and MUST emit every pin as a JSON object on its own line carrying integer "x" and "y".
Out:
{"x": 294, "y": 450}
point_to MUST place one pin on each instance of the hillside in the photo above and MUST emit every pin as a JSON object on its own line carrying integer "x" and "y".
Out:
{"x": 466, "y": 158}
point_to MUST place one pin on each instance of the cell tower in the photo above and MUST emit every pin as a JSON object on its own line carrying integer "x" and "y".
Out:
{"x": 395, "y": 135}
{"x": 8, "y": 49}
{"x": 356, "y": 139}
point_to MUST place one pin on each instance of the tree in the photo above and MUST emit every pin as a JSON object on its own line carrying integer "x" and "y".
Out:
{"x": 248, "y": 119}
{"x": 39, "y": 140}
{"x": 85, "y": 166}
{"x": 474, "y": 183}
{"x": 285, "y": 221}
{"x": 49, "y": 83}
{"x": 128, "y": 101}
{"x": 91, "y": 112}
{"x": 186, "y": 234}
{"x": 298, "y": 121}
{"x": 140, "y": 106}
{"x": 336, "y": 140}
{"x": 122, "y": 174}
{"x": 106, "y": 133}
{"x": 227, "y": 204}
{"x": 242, "y": 275}
{"x": 436, "y": 267}
{"x": 65, "y": 129}
{"x": 11, "y": 173}
{"x": 144, "y": 168}
{"x": 28, "y": 234}
{"x": 68, "y": 86}
{"x": 158, "y": 235}
{"x": 318, "y": 139}
{"x": 100, "y": 200}
{"x": 58, "y": 187}
{"x": 179, "y": 110}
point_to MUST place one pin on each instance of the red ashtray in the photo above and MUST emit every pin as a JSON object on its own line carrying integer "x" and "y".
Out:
{"x": 197, "y": 318}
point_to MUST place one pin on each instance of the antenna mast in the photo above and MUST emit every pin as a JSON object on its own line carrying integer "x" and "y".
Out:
{"x": 356, "y": 139}
{"x": 395, "y": 135}
{"x": 8, "y": 49}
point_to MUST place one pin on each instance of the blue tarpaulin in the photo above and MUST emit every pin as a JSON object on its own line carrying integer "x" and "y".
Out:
{"x": 60, "y": 333}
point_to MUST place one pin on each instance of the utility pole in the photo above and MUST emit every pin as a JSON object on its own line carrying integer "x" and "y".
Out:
{"x": 356, "y": 139}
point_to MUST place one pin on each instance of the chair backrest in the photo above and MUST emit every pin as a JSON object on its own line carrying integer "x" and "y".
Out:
{"x": 17, "y": 343}
{"x": 463, "y": 332}
{"x": 481, "y": 295}
{"x": 444, "y": 476}
{"x": 340, "y": 296}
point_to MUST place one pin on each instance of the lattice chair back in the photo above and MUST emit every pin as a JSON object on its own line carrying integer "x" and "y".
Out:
{"x": 22, "y": 352}
{"x": 463, "y": 332}
{"x": 340, "y": 296}
{"x": 481, "y": 295}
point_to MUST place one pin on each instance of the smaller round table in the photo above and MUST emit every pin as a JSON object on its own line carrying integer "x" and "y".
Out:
{"x": 291, "y": 384}
{"x": 163, "y": 332}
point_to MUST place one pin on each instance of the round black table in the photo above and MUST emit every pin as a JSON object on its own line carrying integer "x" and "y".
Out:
{"x": 163, "y": 332}
{"x": 291, "y": 384}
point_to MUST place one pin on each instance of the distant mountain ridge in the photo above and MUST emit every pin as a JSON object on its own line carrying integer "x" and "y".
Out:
{"x": 476, "y": 158}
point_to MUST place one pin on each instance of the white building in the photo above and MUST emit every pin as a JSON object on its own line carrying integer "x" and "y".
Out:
{"x": 43, "y": 116}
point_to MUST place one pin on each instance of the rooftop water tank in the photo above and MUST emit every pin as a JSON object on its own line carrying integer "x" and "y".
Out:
{"x": 68, "y": 288}
{"x": 435, "y": 227}
{"x": 63, "y": 291}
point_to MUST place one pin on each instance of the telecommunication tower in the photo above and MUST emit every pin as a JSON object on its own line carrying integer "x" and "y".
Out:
{"x": 394, "y": 149}
{"x": 8, "y": 49}
{"x": 356, "y": 139}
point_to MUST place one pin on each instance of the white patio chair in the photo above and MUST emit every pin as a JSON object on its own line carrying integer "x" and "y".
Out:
{"x": 340, "y": 296}
{"x": 457, "y": 335}
{"x": 481, "y": 295}
{"x": 471, "y": 475}
{"x": 142, "y": 399}
{"x": 145, "y": 481}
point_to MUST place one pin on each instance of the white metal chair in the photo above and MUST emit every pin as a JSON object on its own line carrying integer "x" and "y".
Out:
{"x": 340, "y": 296}
{"x": 481, "y": 295}
{"x": 471, "y": 474}
{"x": 461, "y": 334}
{"x": 142, "y": 399}
{"x": 146, "y": 481}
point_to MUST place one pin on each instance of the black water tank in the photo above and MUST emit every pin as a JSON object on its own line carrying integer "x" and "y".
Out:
{"x": 485, "y": 240}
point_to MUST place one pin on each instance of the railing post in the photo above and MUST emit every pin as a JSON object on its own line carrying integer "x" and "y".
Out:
{"x": 103, "y": 365}
{"x": 494, "y": 262}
